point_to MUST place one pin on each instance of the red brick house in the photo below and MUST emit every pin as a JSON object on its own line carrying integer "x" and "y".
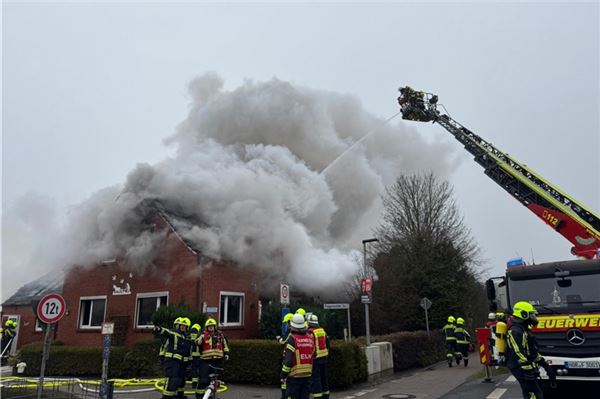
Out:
{"x": 128, "y": 295}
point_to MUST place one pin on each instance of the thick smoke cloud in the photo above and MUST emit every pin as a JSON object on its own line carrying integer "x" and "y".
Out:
{"x": 247, "y": 173}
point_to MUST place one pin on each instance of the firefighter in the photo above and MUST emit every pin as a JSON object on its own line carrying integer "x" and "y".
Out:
{"x": 523, "y": 358}
{"x": 7, "y": 334}
{"x": 213, "y": 350}
{"x": 282, "y": 340}
{"x": 448, "y": 331}
{"x": 297, "y": 365}
{"x": 320, "y": 385}
{"x": 194, "y": 335}
{"x": 175, "y": 350}
{"x": 463, "y": 339}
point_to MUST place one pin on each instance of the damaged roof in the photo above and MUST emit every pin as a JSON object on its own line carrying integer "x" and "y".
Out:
{"x": 48, "y": 283}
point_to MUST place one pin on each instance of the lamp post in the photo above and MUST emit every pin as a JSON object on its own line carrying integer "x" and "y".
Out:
{"x": 367, "y": 326}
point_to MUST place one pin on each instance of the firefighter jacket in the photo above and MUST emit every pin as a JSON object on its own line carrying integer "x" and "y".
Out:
{"x": 195, "y": 347}
{"x": 298, "y": 355}
{"x": 448, "y": 331}
{"x": 462, "y": 336}
{"x": 176, "y": 345}
{"x": 212, "y": 345}
{"x": 7, "y": 333}
{"x": 321, "y": 342}
{"x": 522, "y": 350}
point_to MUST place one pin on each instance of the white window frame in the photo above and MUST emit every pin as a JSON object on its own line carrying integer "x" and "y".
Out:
{"x": 231, "y": 293}
{"x": 87, "y": 298}
{"x": 147, "y": 295}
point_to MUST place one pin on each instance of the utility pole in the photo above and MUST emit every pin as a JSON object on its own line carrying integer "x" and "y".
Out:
{"x": 367, "y": 323}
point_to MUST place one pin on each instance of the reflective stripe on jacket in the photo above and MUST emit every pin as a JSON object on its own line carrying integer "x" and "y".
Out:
{"x": 462, "y": 336}
{"x": 176, "y": 346}
{"x": 448, "y": 330}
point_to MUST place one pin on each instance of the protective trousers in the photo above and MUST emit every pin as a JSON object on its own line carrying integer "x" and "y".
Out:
{"x": 529, "y": 385}
{"x": 196, "y": 362}
{"x": 298, "y": 387}
{"x": 450, "y": 350}
{"x": 319, "y": 384}
{"x": 182, "y": 377}
{"x": 463, "y": 350}
{"x": 205, "y": 372}
{"x": 173, "y": 371}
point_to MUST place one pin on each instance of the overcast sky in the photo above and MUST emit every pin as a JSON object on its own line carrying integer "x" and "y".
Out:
{"x": 89, "y": 90}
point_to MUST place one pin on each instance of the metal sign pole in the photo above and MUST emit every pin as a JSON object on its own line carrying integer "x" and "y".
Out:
{"x": 45, "y": 352}
{"x": 427, "y": 321}
{"x": 349, "y": 327}
{"x": 106, "y": 342}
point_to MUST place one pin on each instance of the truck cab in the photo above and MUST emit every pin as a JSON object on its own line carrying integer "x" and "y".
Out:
{"x": 567, "y": 298}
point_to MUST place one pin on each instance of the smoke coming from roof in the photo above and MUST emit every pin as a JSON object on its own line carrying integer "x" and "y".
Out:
{"x": 248, "y": 167}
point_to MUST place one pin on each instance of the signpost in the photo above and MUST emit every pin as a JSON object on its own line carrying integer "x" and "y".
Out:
{"x": 341, "y": 306}
{"x": 49, "y": 310}
{"x": 284, "y": 294}
{"x": 107, "y": 332}
{"x": 426, "y": 304}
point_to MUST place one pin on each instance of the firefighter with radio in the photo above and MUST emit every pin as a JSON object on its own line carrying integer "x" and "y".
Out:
{"x": 449, "y": 333}
{"x": 522, "y": 357}
{"x": 299, "y": 352}
{"x": 213, "y": 350}
{"x": 174, "y": 352}
{"x": 319, "y": 385}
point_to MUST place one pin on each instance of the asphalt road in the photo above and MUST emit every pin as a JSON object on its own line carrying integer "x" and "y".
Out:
{"x": 506, "y": 387}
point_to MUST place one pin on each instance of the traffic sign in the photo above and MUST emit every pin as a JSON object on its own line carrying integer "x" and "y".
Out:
{"x": 425, "y": 303}
{"x": 336, "y": 306}
{"x": 108, "y": 328}
{"x": 51, "y": 308}
{"x": 365, "y": 298}
{"x": 284, "y": 294}
{"x": 365, "y": 285}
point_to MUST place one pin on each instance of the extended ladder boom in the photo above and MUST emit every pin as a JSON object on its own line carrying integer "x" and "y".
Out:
{"x": 557, "y": 209}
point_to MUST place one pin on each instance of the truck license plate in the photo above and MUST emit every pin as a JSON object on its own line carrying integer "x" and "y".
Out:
{"x": 582, "y": 365}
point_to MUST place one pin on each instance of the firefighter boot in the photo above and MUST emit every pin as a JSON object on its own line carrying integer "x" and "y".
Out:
{"x": 466, "y": 359}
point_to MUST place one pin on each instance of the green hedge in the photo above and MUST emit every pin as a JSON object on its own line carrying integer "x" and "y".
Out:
{"x": 413, "y": 348}
{"x": 252, "y": 361}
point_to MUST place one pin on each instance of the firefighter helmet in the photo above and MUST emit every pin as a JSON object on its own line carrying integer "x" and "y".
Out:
{"x": 451, "y": 319}
{"x": 491, "y": 316}
{"x": 301, "y": 312}
{"x": 210, "y": 322}
{"x": 288, "y": 317}
{"x": 313, "y": 319}
{"x": 298, "y": 322}
{"x": 524, "y": 311}
{"x": 460, "y": 321}
{"x": 177, "y": 321}
{"x": 10, "y": 323}
{"x": 197, "y": 327}
{"x": 186, "y": 322}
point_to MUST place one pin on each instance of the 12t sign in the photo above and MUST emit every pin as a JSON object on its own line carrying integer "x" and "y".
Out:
{"x": 51, "y": 308}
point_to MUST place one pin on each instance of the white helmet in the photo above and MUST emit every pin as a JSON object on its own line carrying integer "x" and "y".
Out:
{"x": 313, "y": 319}
{"x": 492, "y": 316}
{"x": 298, "y": 321}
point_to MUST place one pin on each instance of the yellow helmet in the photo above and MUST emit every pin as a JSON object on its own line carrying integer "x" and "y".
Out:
{"x": 524, "y": 310}
{"x": 301, "y": 311}
{"x": 197, "y": 327}
{"x": 184, "y": 321}
{"x": 288, "y": 317}
{"x": 210, "y": 322}
{"x": 460, "y": 320}
{"x": 177, "y": 321}
{"x": 187, "y": 322}
{"x": 451, "y": 319}
{"x": 10, "y": 323}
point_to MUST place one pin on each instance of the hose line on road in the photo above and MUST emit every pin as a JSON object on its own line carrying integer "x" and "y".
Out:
{"x": 152, "y": 384}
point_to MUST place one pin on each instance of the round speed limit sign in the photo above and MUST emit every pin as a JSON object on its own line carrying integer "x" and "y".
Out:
{"x": 51, "y": 308}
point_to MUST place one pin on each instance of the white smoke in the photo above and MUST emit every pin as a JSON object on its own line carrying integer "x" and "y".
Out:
{"x": 248, "y": 166}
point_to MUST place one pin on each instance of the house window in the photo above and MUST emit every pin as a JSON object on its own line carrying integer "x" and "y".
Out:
{"x": 92, "y": 311}
{"x": 146, "y": 305}
{"x": 231, "y": 309}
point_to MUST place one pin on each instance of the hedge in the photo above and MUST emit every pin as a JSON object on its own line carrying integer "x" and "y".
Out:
{"x": 413, "y": 348}
{"x": 252, "y": 361}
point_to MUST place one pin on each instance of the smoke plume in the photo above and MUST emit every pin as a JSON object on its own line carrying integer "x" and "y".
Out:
{"x": 247, "y": 171}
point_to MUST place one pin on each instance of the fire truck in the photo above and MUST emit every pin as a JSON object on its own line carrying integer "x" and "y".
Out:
{"x": 567, "y": 293}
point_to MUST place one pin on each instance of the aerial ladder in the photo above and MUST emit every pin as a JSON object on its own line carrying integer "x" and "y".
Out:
{"x": 557, "y": 209}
